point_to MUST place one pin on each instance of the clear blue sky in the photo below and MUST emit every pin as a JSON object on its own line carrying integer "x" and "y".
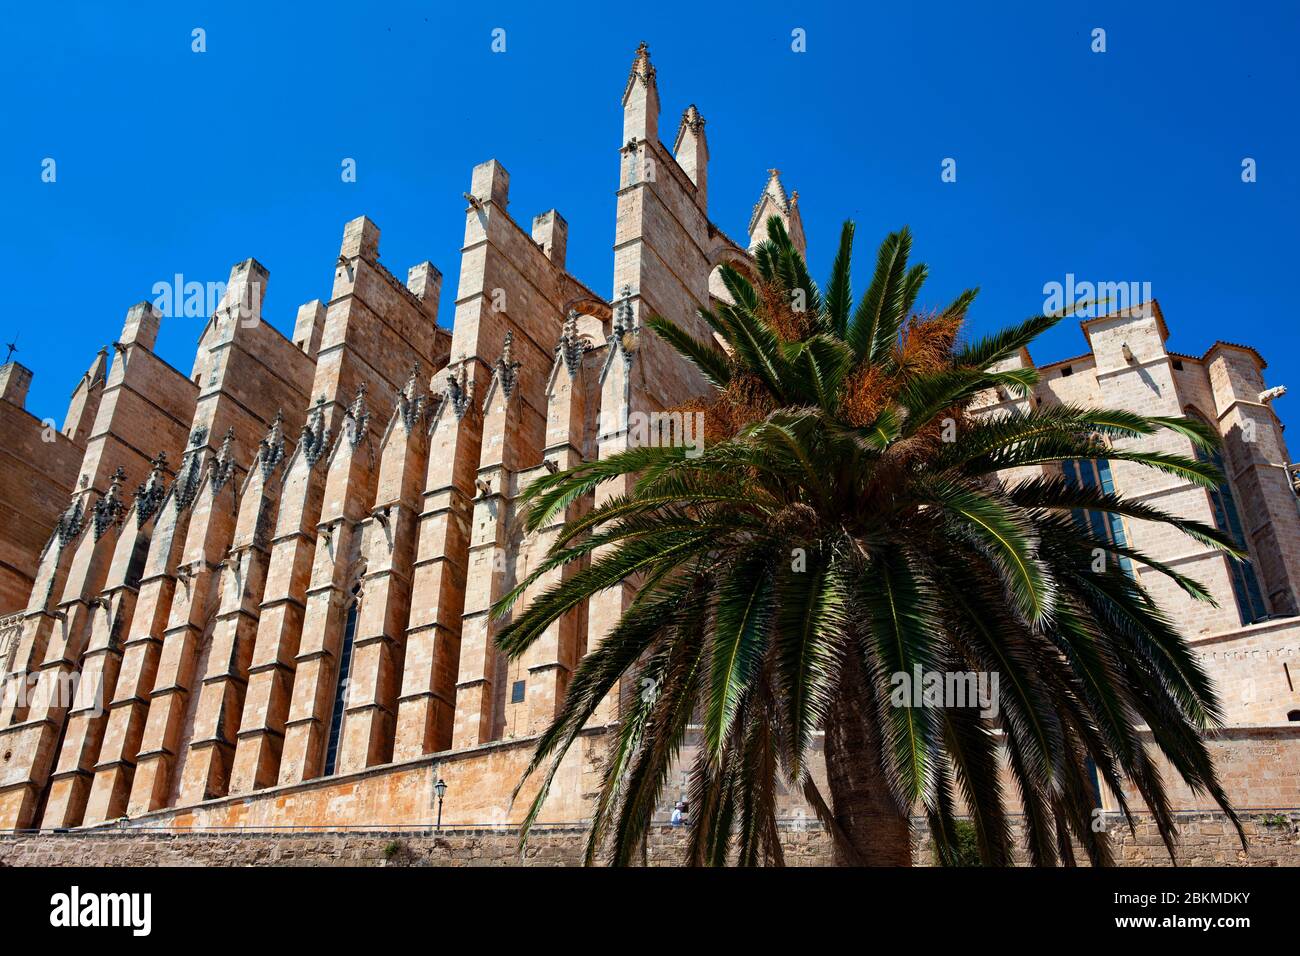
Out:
{"x": 1117, "y": 166}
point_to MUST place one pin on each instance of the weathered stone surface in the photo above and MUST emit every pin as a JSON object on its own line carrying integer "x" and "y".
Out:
{"x": 1207, "y": 841}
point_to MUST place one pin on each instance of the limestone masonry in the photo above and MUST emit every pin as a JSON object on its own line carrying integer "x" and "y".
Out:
{"x": 268, "y": 580}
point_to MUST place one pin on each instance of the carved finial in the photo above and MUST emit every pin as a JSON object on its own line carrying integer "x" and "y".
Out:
{"x": 625, "y": 336}
{"x": 70, "y": 522}
{"x": 410, "y": 404}
{"x": 109, "y": 509}
{"x": 270, "y": 450}
{"x": 571, "y": 346}
{"x": 187, "y": 478}
{"x": 149, "y": 496}
{"x": 357, "y": 417}
{"x": 315, "y": 436}
{"x": 507, "y": 370}
{"x": 224, "y": 465}
{"x": 692, "y": 119}
{"x": 772, "y": 190}
{"x": 643, "y": 70}
{"x": 159, "y": 465}
{"x": 460, "y": 392}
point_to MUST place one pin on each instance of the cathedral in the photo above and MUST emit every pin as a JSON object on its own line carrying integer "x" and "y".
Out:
{"x": 257, "y": 593}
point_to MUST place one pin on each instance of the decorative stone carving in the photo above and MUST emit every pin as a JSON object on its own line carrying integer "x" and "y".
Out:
{"x": 270, "y": 450}
{"x": 572, "y": 346}
{"x": 187, "y": 479}
{"x": 356, "y": 418}
{"x": 224, "y": 465}
{"x": 315, "y": 435}
{"x": 624, "y": 336}
{"x": 149, "y": 496}
{"x": 109, "y": 509}
{"x": 71, "y": 521}
{"x": 692, "y": 120}
{"x": 410, "y": 403}
{"x": 460, "y": 391}
{"x": 643, "y": 70}
{"x": 507, "y": 371}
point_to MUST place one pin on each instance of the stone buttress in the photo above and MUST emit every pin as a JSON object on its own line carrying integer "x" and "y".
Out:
{"x": 144, "y": 404}
{"x": 375, "y": 329}
{"x": 246, "y": 371}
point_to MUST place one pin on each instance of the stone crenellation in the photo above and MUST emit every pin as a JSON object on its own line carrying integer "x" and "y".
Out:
{"x": 292, "y": 626}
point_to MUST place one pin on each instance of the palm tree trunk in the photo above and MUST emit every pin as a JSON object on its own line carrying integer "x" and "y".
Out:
{"x": 871, "y": 830}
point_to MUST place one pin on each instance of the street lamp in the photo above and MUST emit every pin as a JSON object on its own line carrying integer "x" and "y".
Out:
{"x": 440, "y": 788}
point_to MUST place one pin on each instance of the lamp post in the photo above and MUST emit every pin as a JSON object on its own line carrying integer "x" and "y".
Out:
{"x": 440, "y": 788}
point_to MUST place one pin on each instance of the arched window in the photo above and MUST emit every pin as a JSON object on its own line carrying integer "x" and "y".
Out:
{"x": 1245, "y": 583}
{"x": 341, "y": 686}
{"x": 1095, "y": 474}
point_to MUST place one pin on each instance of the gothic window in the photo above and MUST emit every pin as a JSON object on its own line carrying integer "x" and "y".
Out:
{"x": 1095, "y": 474}
{"x": 341, "y": 686}
{"x": 1245, "y": 583}
{"x": 1095, "y": 780}
{"x": 135, "y": 570}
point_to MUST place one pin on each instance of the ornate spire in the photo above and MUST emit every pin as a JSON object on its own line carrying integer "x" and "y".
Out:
{"x": 109, "y": 508}
{"x": 149, "y": 496}
{"x": 187, "y": 479}
{"x": 624, "y": 335}
{"x": 774, "y": 201}
{"x": 774, "y": 192}
{"x": 507, "y": 370}
{"x": 271, "y": 448}
{"x": 410, "y": 403}
{"x": 460, "y": 393}
{"x": 357, "y": 417}
{"x": 571, "y": 346}
{"x": 643, "y": 70}
{"x": 224, "y": 465}
{"x": 71, "y": 521}
{"x": 692, "y": 120}
{"x": 315, "y": 435}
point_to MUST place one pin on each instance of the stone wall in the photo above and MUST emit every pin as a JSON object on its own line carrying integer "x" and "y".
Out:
{"x": 1256, "y": 765}
{"x": 38, "y": 470}
{"x": 1207, "y": 839}
{"x": 1255, "y": 670}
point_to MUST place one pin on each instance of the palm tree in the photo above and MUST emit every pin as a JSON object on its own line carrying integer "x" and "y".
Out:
{"x": 846, "y": 523}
